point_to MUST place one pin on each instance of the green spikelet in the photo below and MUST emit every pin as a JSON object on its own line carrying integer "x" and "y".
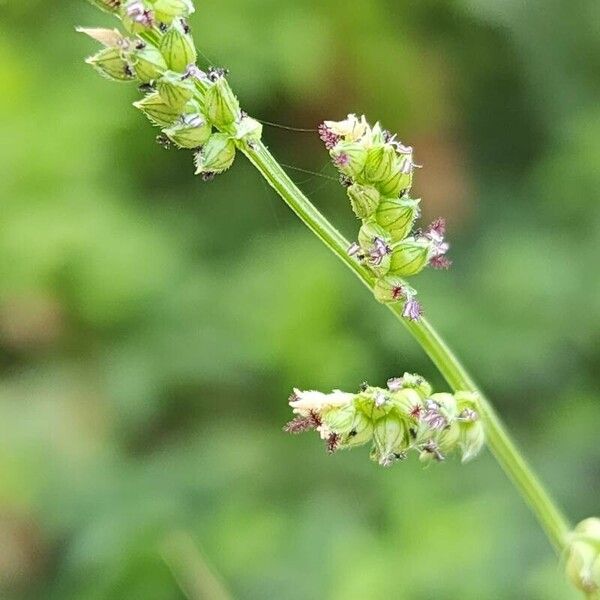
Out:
{"x": 177, "y": 47}
{"x": 397, "y": 216}
{"x": 157, "y": 110}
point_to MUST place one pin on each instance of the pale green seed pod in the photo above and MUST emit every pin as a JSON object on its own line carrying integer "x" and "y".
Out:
{"x": 364, "y": 199}
{"x": 407, "y": 402}
{"x": 449, "y": 438}
{"x": 192, "y": 131}
{"x": 472, "y": 439}
{"x": 349, "y": 158}
{"x": 361, "y": 431}
{"x": 110, "y": 6}
{"x": 380, "y": 164}
{"x": 339, "y": 419}
{"x": 248, "y": 129}
{"x": 177, "y": 48}
{"x": 221, "y": 105}
{"x": 216, "y": 156}
{"x": 374, "y": 403}
{"x": 412, "y": 381}
{"x": 157, "y": 110}
{"x": 175, "y": 90}
{"x": 368, "y": 232}
{"x": 110, "y": 63}
{"x": 168, "y": 10}
{"x": 588, "y": 530}
{"x": 409, "y": 257}
{"x": 148, "y": 63}
{"x": 391, "y": 440}
{"x": 396, "y": 184}
{"x": 583, "y": 560}
{"x": 389, "y": 289}
{"x": 583, "y": 569}
{"x": 467, "y": 401}
{"x": 397, "y": 216}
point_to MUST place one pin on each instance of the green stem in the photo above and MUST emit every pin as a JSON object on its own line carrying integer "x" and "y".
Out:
{"x": 507, "y": 454}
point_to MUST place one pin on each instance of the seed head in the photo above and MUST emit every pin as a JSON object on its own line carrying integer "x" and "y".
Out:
{"x": 401, "y": 418}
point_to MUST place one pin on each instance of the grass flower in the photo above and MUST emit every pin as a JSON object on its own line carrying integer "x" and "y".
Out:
{"x": 396, "y": 420}
{"x": 378, "y": 171}
{"x": 197, "y": 110}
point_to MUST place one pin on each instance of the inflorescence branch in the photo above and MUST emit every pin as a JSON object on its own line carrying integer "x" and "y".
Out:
{"x": 197, "y": 110}
{"x": 405, "y": 416}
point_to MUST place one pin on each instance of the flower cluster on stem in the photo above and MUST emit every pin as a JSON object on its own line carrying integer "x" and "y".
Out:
{"x": 195, "y": 109}
{"x": 405, "y": 416}
{"x": 377, "y": 171}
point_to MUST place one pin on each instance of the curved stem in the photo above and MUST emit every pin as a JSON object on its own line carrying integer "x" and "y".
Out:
{"x": 503, "y": 448}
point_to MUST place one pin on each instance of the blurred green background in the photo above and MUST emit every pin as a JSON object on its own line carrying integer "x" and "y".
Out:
{"x": 152, "y": 326}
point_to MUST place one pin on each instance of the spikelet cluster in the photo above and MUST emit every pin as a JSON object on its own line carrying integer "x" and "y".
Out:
{"x": 402, "y": 418}
{"x": 377, "y": 171}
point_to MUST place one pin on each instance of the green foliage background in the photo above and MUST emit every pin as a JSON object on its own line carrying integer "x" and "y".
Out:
{"x": 152, "y": 326}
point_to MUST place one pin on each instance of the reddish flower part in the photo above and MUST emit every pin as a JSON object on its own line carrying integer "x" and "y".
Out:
{"x": 341, "y": 160}
{"x": 138, "y": 13}
{"x": 438, "y": 227}
{"x": 301, "y": 424}
{"x": 329, "y": 138}
{"x": 440, "y": 262}
{"x": 333, "y": 443}
{"x": 415, "y": 412}
{"x": 435, "y": 234}
{"x": 397, "y": 293}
